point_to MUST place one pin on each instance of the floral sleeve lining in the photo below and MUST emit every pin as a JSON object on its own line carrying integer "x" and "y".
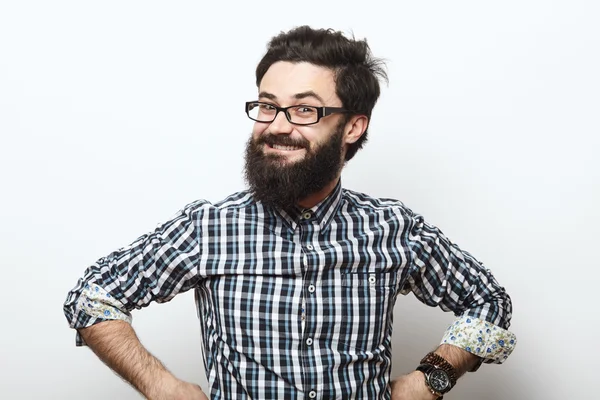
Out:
{"x": 99, "y": 304}
{"x": 481, "y": 338}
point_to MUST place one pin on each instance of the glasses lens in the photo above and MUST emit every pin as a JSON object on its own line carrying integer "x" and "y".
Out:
{"x": 303, "y": 115}
{"x": 261, "y": 112}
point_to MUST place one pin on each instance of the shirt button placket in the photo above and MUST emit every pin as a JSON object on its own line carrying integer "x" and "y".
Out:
{"x": 306, "y": 215}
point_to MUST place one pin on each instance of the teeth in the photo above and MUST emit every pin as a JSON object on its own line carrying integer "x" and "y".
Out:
{"x": 287, "y": 148}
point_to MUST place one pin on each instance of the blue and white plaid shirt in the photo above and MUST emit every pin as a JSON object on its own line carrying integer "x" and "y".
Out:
{"x": 299, "y": 304}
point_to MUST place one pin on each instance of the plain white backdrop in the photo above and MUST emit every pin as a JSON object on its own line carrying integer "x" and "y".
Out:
{"x": 114, "y": 115}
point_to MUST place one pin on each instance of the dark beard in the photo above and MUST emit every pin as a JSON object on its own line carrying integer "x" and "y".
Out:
{"x": 276, "y": 183}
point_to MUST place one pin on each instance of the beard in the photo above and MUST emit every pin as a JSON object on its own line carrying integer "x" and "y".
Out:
{"x": 276, "y": 182}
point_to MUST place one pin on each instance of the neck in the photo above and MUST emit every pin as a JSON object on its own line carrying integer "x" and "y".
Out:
{"x": 316, "y": 198}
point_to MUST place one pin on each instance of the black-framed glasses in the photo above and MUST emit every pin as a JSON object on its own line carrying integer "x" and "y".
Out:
{"x": 297, "y": 115}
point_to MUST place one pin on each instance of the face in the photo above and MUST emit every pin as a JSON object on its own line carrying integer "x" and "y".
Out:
{"x": 287, "y": 162}
{"x": 287, "y": 84}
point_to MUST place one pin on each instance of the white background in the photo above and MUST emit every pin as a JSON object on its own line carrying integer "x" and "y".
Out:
{"x": 113, "y": 115}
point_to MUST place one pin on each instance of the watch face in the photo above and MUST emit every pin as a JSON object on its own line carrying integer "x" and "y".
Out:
{"x": 439, "y": 380}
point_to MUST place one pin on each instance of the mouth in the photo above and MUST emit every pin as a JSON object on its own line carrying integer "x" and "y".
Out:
{"x": 285, "y": 148}
{"x": 282, "y": 148}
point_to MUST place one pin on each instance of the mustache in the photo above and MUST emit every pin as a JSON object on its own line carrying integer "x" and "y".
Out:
{"x": 281, "y": 140}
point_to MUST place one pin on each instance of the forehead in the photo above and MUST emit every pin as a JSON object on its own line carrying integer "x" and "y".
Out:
{"x": 285, "y": 80}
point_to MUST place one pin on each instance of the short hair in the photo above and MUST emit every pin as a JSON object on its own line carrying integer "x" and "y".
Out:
{"x": 356, "y": 71}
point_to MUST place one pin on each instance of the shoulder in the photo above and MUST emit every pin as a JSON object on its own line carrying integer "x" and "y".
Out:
{"x": 235, "y": 201}
{"x": 367, "y": 203}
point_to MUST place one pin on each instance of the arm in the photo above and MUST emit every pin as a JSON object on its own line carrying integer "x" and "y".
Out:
{"x": 461, "y": 360}
{"x": 117, "y": 345}
{"x": 154, "y": 268}
{"x": 413, "y": 387}
{"x": 441, "y": 274}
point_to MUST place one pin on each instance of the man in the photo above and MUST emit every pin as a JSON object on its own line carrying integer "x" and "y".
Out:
{"x": 295, "y": 279}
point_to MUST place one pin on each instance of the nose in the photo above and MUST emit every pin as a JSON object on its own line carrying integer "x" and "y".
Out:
{"x": 281, "y": 125}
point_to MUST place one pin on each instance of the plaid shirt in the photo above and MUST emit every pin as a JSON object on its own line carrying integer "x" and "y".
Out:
{"x": 299, "y": 304}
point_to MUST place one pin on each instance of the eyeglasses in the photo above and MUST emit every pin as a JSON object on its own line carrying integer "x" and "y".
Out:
{"x": 297, "y": 115}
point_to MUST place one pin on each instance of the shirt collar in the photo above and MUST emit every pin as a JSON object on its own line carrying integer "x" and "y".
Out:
{"x": 322, "y": 212}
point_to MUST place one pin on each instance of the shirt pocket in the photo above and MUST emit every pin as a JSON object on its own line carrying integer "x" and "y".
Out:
{"x": 367, "y": 306}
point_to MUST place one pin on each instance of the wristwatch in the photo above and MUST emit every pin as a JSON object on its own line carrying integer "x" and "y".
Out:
{"x": 437, "y": 380}
{"x": 440, "y": 375}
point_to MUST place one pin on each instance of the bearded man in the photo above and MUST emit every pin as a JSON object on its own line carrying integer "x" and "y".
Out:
{"x": 296, "y": 277}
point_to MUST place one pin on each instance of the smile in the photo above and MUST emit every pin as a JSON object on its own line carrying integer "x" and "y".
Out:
{"x": 284, "y": 148}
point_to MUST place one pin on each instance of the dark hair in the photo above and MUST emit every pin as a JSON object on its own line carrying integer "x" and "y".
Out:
{"x": 356, "y": 71}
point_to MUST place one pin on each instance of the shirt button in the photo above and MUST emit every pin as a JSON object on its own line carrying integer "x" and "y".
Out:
{"x": 309, "y": 247}
{"x": 311, "y": 288}
{"x": 307, "y": 215}
{"x": 312, "y": 394}
{"x": 372, "y": 279}
{"x": 309, "y": 341}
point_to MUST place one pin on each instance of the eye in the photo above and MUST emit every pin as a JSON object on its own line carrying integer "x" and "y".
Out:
{"x": 266, "y": 107}
{"x": 304, "y": 113}
{"x": 305, "y": 109}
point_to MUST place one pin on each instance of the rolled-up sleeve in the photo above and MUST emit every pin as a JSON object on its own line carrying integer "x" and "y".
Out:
{"x": 441, "y": 274}
{"x": 154, "y": 268}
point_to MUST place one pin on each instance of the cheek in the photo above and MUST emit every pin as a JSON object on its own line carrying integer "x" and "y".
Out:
{"x": 258, "y": 129}
{"x": 315, "y": 137}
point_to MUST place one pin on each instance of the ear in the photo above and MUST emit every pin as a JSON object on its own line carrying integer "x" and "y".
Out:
{"x": 355, "y": 128}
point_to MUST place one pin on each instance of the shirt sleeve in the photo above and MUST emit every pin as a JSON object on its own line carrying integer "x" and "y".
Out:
{"x": 154, "y": 268}
{"x": 441, "y": 274}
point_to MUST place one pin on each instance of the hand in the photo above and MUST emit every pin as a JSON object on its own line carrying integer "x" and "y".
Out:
{"x": 189, "y": 391}
{"x": 180, "y": 390}
{"x": 411, "y": 387}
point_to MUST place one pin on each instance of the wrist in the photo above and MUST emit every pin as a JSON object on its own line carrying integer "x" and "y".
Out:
{"x": 411, "y": 386}
{"x": 161, "y": 385}
{"x": 419, "y": 379}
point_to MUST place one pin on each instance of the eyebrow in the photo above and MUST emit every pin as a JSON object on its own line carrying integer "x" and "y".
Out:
{"x": 297, "y": 96}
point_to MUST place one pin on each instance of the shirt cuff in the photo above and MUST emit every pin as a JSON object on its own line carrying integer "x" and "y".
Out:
{"x": 96, "y": 305}
{"x": 481, "y": 338}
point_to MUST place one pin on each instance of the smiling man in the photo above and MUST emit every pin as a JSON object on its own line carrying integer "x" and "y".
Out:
{"x": 296, "y": 153}
{"x": 296, "y": 277}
